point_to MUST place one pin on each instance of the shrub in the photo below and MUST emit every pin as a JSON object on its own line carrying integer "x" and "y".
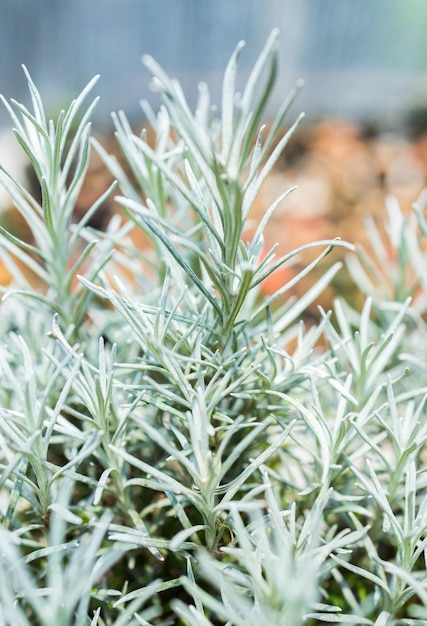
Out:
{"x": 176, "y": 447}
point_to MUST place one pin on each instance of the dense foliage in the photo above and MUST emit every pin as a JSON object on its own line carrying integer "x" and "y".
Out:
{"x": 176, "y": 448}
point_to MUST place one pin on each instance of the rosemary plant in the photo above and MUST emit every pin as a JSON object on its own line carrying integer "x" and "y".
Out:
{"x": 175, "y": 447}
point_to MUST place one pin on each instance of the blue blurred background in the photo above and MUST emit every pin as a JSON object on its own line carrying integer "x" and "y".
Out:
{"x": 359, "y": 58}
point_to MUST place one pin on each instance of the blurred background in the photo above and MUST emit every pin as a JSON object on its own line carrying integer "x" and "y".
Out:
{"x": 364, "y": 64}
{"x": 359, "y": 58}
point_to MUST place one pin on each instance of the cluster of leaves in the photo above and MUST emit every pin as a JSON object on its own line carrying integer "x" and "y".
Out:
{"x": 175, "y": 448}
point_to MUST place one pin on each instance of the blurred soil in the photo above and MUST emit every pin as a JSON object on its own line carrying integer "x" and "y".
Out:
{"x": 343, "y": 172}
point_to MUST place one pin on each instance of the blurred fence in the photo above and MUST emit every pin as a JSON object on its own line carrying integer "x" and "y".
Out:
{"x": 357, "y": 57}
